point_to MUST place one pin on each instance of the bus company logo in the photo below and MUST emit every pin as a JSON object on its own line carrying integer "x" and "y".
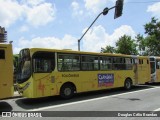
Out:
{"x": 70, "y": 75}
{"x": 6, "y": 114}
{"x": 105, "y": 80}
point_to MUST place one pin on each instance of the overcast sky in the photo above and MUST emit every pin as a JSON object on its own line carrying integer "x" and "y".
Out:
{"x": 60, "y": 23}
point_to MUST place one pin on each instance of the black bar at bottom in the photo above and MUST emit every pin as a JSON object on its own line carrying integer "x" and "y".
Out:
{"x": 80, "y": 114}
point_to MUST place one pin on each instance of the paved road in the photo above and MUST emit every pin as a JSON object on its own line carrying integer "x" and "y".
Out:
{"x": 140, "y": 98}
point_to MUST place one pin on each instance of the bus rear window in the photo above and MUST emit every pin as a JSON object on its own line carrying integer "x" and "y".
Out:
{"x": 2, "y": 54}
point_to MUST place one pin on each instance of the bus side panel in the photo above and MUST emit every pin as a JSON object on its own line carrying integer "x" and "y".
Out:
{"x": 6, "y": 73}
{"x": 157, "y": 75}
{"x": 75, "y": 78}
{"x": 88, "y": 80}
{"x": 114, "y": 79}
{"x": 83, "y": 80}
{"x": 122, "y": 75}
{"x": 94, "y": 80}
{"x": 143, "y": 72}
{"x": 45, "y": 84}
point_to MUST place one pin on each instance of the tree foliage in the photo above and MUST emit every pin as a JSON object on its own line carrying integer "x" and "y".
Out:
{"x": 108, "y": 49}
{"x": 141, "y": 44}
{"x": 126, "y": 45}
{"x": 148, "y": 45}
{"x": 152, "y": 29}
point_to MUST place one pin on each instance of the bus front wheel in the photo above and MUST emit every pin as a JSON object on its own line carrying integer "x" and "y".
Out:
{"x": 128, "y": 84}
{"x": 67, "y": 91}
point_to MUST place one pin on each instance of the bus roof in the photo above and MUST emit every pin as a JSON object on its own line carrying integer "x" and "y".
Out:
{"x": 155, "y": 57}
{"x": 4, "y": 44}
{"x": 76, "y": 52}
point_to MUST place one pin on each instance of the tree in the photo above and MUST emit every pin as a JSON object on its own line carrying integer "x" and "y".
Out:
{"x": 126, "y": 45}
{"x": 149, "y": 45}
{"x": 152, "y": 29}
{"x": 108, "y": 49}
{"x": 141, "y": 44}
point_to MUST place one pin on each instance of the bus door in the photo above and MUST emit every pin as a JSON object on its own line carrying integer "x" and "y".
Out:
{"x": 153, "y": 69}
{"x": 143, "y": 71}
{"x": 158, "y": 70}
{"x": 139, "y": 70}
{"x": 135, "y": 69}
{"x": 43, "y": 66}
{"x": 6, "y": 71}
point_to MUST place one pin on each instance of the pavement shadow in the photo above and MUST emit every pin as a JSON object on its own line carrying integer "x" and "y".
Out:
{"x": 32, "y": 103}
{"x": 5, "y": 107}
{"x": 154, "y": 84}
{"x": 29, "y": 104}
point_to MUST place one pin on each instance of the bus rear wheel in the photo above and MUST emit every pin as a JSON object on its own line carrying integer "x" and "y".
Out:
{"x": 128, "y": 84}
{"x": 67, "y": 91}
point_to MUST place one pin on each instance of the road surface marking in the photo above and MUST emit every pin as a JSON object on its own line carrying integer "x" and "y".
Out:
{"x": 156, "y": 110}
{"x": 94, "y": 99}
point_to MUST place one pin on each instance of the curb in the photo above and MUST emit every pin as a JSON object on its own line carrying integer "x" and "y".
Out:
{"x": 16, "y": 95}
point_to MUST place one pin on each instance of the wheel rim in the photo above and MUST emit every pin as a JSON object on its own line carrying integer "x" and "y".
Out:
{"x": 128, "y": 85}
{"x": 67, "y": 91}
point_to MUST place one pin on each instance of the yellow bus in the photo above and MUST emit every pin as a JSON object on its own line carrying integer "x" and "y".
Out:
{"x": 49, "y": 72}
{"x": 155, "y": 69}
{"x": 6, "y": 71}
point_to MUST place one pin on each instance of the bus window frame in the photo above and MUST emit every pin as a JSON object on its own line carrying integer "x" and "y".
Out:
{"x": 67, "y": 54}
{"x": 126, "y": 66}
{"x": 3, "y": 54}
{"x": 157, "y": 63}
{"x": 104, "y": 58}
{"x": 51, "y": 59}
{"x": 83, "y": 55}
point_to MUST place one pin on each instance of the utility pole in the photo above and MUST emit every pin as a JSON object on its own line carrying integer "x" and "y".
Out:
{"x": 118, "y": 12}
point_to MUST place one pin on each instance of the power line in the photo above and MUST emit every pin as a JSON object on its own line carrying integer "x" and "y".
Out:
{"x": 143, "y": 2}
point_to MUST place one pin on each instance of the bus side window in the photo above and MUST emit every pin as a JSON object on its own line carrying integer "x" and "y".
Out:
{"x": 119, "y": 63}
{"x": 89, "y": 62}
{"x": 43, "y": 62}
{"x": 140, "y": 61}
{"x": 42, "y": 65}
{"x": 128, "y": 63}
{"x": 68, "y": 62}
{"x": 2, "y": 54}
{"x": 96, "y": 63}
{"x": 105, "y": 63}
{"x": 158, "y": 64}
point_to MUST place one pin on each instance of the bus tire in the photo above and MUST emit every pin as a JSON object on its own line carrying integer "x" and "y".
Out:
{"x": 128, "y": 84}
{"x": 67, "y": 91}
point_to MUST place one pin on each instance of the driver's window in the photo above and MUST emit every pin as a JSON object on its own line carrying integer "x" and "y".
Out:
{"x": 43, "y": 62}
{"x": 42, "y": 65}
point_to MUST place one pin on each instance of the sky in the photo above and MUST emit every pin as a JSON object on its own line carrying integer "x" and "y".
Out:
{"x": 58, "y": 24}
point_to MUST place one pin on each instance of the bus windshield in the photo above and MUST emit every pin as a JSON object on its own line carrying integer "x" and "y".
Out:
{"x": 24, "y": 68}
